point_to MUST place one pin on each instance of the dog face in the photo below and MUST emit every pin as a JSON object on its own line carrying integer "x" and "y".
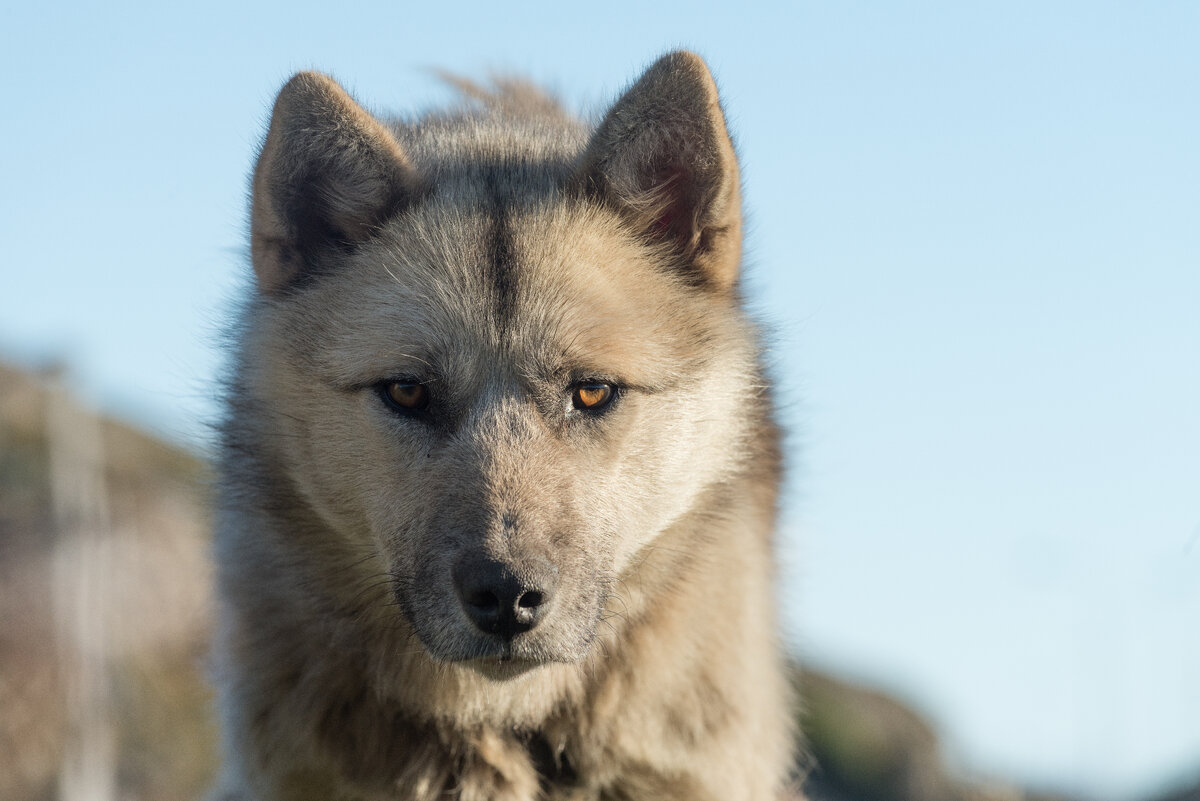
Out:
{"x": 491, "y": 352}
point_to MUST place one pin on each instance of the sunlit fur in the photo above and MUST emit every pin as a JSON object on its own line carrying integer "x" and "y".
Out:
{"x": 501, "y": 255}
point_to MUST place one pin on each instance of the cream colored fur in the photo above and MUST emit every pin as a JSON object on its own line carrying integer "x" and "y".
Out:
{"x": 500, "y": 257}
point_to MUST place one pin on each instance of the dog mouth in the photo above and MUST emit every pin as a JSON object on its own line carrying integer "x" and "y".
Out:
{"x": 501, "y": 657}
{"x": 503, "y": 667}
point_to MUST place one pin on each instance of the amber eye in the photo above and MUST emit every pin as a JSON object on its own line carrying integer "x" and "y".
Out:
{"x": 405, "y": 396}
{"x": 593, "y": 397}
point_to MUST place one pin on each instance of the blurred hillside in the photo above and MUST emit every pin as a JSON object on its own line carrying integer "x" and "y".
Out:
{"x": 104, "y": 620}
{"x": 139, "y": 574}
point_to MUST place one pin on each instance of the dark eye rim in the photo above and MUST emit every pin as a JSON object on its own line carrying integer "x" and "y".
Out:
{"x": 597, "y": 408}
{"x": 382, "y": 389}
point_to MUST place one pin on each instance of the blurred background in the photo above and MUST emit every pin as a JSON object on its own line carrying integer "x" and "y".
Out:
{"x": 973, "y": 235}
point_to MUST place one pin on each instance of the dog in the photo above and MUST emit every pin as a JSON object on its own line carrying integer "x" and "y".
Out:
{"x": 499, "y": 466}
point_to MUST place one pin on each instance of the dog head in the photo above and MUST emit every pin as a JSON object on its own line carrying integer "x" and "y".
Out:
{"x": 500, "y": 352}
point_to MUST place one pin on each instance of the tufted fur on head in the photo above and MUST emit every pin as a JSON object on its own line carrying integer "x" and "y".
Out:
{"x": 499, "y": 465}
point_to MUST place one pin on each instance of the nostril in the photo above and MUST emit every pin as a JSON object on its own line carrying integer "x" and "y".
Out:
{"x": 484, "y": 601}
{"x": 530, "y": 600}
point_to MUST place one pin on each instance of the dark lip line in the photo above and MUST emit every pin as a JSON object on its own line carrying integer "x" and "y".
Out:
{"x": 501, "y": 667}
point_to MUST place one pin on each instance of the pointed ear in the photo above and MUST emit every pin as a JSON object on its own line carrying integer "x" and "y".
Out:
{"x": 662, "y": 155}
{"x": 328, "y": 175}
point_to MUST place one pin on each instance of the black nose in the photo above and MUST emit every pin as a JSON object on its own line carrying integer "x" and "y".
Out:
{"x": 504, "y": 599}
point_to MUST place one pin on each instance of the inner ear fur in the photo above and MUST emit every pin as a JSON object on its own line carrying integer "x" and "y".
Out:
{"x": 329, "y": 173}
{"x": 663, "y": 156}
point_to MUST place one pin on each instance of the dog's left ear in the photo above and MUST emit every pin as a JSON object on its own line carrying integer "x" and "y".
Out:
{"x": 329, "y": 173}
{"x": 662, "y": 155}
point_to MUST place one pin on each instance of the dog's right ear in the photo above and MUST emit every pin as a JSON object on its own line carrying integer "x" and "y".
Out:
{"x": 329, "y": 173}
{"x": 662, "y": 155}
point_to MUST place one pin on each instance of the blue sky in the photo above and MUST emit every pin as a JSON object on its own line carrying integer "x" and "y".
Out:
{"x": 974, "y": 232}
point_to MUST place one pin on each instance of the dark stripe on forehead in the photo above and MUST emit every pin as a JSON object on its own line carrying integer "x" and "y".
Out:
{"x": 500, "y": 259}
